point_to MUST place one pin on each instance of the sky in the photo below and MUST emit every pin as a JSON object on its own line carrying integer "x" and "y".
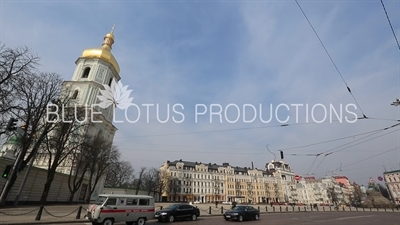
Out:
{"x": 237, "y": 53}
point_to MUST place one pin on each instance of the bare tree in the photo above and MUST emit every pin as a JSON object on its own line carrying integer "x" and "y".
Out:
{"x": 267, "y": 192}
{"x": 332, "y": 195}
{"x": 34, "y": 92}
{"x": 358, "y": 196}
{"x": 139, "y": 180}
{"x": 162, "y": 183}
{"x": 174, "y": 187}
{"x": 60, "y": 143}
{"x": 216, "y": 189}
{"x": 102, "y": 155}
{"x": 14, "y": 63}
{"x": 80, "y": 162}
{"x": 119, "y": 174}
{"x": 151, "y": 180}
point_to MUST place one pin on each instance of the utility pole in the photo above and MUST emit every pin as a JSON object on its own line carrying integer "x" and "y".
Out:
{"x": 17, "y": 163}
{"x": 24, "y": 180}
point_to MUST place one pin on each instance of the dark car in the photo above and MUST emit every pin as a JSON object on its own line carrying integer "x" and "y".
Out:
{"x": 241, "y": 213}
{"x": 177, "y": 212}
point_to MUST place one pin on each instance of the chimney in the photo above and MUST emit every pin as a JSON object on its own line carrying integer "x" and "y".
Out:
{"x": 252, "y": 165}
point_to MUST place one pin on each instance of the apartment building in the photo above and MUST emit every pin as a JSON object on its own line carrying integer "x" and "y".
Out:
{"x": 392, "y": 179}
{"x": 314, "y": 191}
{"x": 346, "y": 187}
{"x": 207, "y": 182}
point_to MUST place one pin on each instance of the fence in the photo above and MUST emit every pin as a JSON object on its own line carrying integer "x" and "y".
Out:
{"x": 76, "y": 213}
{"x": 40, "y": 212}
{"x": 266, "y": 209}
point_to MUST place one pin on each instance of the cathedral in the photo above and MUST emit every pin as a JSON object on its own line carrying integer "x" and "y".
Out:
{"x": 95, "y": 68}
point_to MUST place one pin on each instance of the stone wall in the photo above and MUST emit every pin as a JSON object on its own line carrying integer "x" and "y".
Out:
{"x": 59, "y": 192}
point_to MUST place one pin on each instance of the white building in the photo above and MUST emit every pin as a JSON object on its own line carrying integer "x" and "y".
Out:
{"x": 314, "y": 191}
{"x": 392, "y": 179}
{"x": 206, "y": 182}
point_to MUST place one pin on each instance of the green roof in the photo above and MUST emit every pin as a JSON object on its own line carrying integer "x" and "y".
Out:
{"x": 14, "y": 140}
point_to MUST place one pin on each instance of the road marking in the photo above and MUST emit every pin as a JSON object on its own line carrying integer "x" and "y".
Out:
{"x": 353, "y": 217}
{"x": 344, "y": 218}
{"x": 314, "y": 219}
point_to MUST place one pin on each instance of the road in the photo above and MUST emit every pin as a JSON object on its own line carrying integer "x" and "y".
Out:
{"x": 310, "y": 218}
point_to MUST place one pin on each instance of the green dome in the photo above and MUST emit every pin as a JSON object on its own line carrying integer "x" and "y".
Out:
{"x": 14, "y": 140}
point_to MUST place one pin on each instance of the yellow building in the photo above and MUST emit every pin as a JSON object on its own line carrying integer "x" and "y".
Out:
{"x": 206, "y": 182}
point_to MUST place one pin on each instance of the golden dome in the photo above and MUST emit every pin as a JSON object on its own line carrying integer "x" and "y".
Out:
{"x": 104, "y": 52}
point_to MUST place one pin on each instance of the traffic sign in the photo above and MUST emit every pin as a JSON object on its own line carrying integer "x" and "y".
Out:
{"x": 297, "y": 177}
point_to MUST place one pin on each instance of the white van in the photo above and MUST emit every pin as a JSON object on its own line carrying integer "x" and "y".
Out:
{"x": 113, "y": 208}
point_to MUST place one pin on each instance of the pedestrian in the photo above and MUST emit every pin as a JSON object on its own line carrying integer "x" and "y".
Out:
{"x": 233, "y": 205}
{"x": 216, "y": 204}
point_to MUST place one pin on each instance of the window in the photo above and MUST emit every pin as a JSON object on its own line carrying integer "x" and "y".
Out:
{"x": 75, "y": 95}
{"x": 111, "y": 201}
{"x": 110, "y": 81}
{"x": 86, "y": 72}
{"x": 131, "y": 201}
{"x": 185, "y": 207}
{"x": 143, "y": 201}
{"x": 122, "y": 201}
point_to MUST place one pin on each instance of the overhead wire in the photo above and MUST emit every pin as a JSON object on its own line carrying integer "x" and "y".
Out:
{"x": 334, "y": 64}
{"x": 331, "y": 151}
{"x": 352, "y": 146}
{"x": 390, "y": 24}
{"x": 332, "y": 140}
{"x": 236, "y": 153}
{"x": 370, "y": 157}
{"x": 260, "y": 151}
{"x": 247, "y": 128}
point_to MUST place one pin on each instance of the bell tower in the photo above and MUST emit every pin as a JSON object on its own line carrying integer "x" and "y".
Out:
{"x": 95, "y": 68}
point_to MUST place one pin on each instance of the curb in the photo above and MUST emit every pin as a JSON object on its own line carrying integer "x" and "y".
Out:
{"x": 201, "y": 216}
{"x": 45, "y": 222}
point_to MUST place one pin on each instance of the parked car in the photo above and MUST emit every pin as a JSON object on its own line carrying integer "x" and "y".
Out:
{"x": 112, "y": 208}
{"x": 179, "y": 211}
{"x": 241, "y": 213}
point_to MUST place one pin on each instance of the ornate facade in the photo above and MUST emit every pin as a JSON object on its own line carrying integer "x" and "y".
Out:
{"x": 314, "y": 191}
{"x": 206, "y": 182}
{"x": 392, "y": 179}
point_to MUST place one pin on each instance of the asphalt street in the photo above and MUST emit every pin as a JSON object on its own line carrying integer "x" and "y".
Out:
{"x": 310, "y": 218}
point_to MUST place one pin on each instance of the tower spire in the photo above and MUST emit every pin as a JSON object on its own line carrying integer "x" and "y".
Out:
{"x": 109, "y": 39}
{"x": 112, "y": 29}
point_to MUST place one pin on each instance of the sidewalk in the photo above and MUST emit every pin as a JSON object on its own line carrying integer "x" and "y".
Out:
{"x": 50, "y": 214}
{"x": 68, "y": 213}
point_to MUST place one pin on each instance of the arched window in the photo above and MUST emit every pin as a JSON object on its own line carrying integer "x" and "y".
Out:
{"x": 86, "y": 72}
{"x": 75, "y": 95}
